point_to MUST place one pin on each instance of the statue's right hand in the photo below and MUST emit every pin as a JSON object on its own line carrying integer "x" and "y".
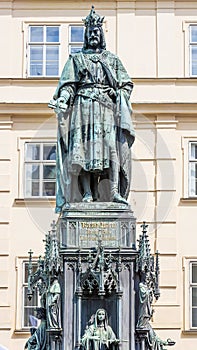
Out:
{"x": 61, "y": 104}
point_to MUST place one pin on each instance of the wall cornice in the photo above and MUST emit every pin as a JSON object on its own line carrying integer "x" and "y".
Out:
{"x": 41, "y": 110}
{"x": 15, "y": 5}
{"x": 53, "y": 81}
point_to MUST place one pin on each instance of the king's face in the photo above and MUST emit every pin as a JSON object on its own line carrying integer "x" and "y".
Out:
{"x": 94, "y": 35}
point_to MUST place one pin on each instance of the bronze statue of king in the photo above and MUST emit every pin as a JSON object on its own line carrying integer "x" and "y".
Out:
{"x": 95, "y": 131}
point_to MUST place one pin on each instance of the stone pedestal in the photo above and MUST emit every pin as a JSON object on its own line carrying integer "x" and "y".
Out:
{"x": 84, "y": 223}
{"x": 54, "y": 339}
{"x": 141, "y": 338}
{"x": 97, "y": 243}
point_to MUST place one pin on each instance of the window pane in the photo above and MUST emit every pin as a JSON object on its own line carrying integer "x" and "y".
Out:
{"x": 193, "y": 34}
{"x": 34, "y": 299}
{"x": 36, "y": 34}
{"x": 193, "y": 179}
{"x": 36, "y": 53}
{"x": 49, "y": 152}
{"x": 48, "y": 189}
{"x": 52, "y": 69}
{"x": 52, "y": 53}
{"x": 29, "y": 316}
{"x": 32, "y": 171}
{"x": 193, "y": 151}
{"x": 194, "y": 68}
{"x": 32, "y": 175}
{"x": 76, "y": 34}
{"x": 36, "y": 69}
{"x": 49, "y": 172}
{"x": 194, "y": 273}
{"x": 52, "y": 60}
{"x": 32, "y": 188}
{"x": 74, "y": 49}
{"x": 194, "y": 296}
{"x": 52, "y": 34}
{"x": 35, "y": 188}
{"x": 194, "y": 60}
{"x": 32, "y": 151}
{"x": 34, "y": 267}
{"x": 36, "y": 60}
{"x": 194, "y": 317}
{"x": 194, "y": 53}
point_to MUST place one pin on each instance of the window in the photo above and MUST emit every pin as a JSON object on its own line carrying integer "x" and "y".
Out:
{"x": 193, "y": 294}
{"x": 193, "y": 49}
{"x": 190, "y": 294}
{"x": 76, "y": 37}
{"x": 43, "y": 50}
{"x": 193, "y": 169}
{"x": 28, "y": 318}
{"x": 40, "y": 169}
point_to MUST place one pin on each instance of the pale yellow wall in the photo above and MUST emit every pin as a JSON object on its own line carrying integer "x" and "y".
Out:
{"x": 156, "y": 32}
{"x": 151, "y": 40}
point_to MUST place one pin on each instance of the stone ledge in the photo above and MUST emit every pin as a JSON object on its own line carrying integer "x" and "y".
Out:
{"x": 23, "y": 202}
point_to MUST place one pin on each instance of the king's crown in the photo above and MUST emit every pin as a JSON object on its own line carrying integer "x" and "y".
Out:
{"x": 93, "y": 19}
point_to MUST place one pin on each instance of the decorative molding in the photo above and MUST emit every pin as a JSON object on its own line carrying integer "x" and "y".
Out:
{"x": 33, "y": 202}
{"x": 6, "y": 124}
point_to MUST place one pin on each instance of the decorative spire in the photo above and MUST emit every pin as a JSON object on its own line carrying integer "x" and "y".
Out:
{"x": 52, "y": 259}
{"x": 147, "y": 264}
{"x": 93, "y": 19}
{"x": 47, "y": 267}
{"x": 157, "y": 272}
{"x": 144, "y": 260}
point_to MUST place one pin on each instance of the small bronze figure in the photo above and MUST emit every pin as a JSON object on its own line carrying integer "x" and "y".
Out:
{"x": 145, "y": 303}
{"x": 99, "y": 335}
{"x": 53, "y": 305}
{"x": 148, "y": 268}
{"x": 38, "y": 339}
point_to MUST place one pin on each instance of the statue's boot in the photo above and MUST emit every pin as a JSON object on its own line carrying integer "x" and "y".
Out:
{"x": 94, "y": 187}
{"x": 85, "y": 180}
{"x": 87, "y": 198}
{"x": 116, "y": 197}
{"x": 114, "y": 177}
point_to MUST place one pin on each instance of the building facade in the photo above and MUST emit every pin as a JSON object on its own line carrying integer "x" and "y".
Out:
{"x": 157, "y": 42}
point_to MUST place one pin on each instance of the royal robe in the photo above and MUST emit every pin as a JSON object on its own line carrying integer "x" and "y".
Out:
{"x": 96, "y": 129}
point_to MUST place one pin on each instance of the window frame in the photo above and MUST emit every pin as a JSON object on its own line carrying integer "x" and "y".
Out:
{"x": 25, "y": 285}
{"x": 63, "y": 39}
{"x": 186, "y": 44}
{"x": 21, "y": 141}
{"x": 191, "y": 286}
{"x": 191, "y": 45}
{"x": 44, "y": 44}
{"x": 19, "y": 314}
{"x": 187, "y": 262}
{"x": 72, "y": 44}
{"x": 185, "y": 146}
{"x": 190, "y": 162}
{"x": 41, "y": 162}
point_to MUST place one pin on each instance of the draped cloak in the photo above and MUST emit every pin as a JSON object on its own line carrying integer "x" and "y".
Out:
{"x": 38, "y": 340}
{"x": 96, "y": 126}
